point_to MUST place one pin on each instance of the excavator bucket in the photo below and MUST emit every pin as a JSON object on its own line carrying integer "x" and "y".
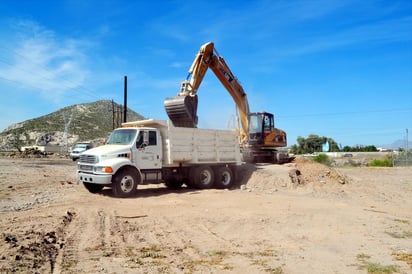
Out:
{"x": 182, "y": 111}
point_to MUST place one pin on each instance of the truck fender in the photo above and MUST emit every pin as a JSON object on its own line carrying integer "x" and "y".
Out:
{"x": 132, "y": 167}
{"x": 120, "y": 163}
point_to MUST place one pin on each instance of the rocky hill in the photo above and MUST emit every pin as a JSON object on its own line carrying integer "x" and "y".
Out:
{"x": 63, "y": 128}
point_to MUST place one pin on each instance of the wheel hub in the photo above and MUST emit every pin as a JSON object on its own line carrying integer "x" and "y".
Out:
{"x": 127, "y": 184}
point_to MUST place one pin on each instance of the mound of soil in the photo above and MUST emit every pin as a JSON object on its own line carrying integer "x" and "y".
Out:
{"x": 313, "y": 172}
{"x": 301, "y": 173}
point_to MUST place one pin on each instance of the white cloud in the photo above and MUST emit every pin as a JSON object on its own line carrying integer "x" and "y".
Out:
{"x": 40, "y": 61}
{"x": 177, "y": 65}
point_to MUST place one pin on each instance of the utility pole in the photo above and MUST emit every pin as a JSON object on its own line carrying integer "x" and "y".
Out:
{"x": 125, "y": 100}
{"x": 67, "y": 122}
{"x": 407, "y": 146}
{"x": 112, "y": 114}
{"x": 119, "y": 122}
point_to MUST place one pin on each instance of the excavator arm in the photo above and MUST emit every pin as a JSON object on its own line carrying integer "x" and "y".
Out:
{"x": 182, "y": 109}
{"x": 235, "y": 89}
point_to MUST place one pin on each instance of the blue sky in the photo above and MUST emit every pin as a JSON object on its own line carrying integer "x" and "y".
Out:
{"x": 341, "y": 69}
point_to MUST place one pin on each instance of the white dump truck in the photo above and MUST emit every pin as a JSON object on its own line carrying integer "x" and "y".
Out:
{"x": 154, "y": 151}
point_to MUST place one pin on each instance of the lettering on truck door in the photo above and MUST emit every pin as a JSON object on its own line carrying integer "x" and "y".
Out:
{"x": 148, "y": 150}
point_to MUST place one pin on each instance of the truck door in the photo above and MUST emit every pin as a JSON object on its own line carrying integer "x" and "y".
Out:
{"x": 149, "y": 150}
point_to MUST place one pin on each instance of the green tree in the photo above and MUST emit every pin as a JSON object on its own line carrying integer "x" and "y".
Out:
{"x": 313, "y": 143}
{"x": 359, "y": 148}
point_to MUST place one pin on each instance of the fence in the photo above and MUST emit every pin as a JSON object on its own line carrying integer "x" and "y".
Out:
{"x": 403, "y": 159}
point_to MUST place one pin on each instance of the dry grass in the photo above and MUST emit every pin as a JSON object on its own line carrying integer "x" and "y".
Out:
{"x": 404, "y": 257}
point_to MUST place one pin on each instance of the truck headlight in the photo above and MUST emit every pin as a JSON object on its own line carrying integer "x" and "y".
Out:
{"x": 104, "y": 169}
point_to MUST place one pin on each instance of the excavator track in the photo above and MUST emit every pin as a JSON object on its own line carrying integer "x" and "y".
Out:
{"x": 182, "y": 110}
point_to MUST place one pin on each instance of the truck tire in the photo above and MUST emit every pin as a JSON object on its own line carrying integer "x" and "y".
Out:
{"x": 202, "y": 177}
{"x": 93, "y": 188}
{"x": 223, "y": 177}
{"x": 125, "y": 183}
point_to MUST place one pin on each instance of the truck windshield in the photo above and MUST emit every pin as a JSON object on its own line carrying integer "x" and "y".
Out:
{"x": 122, "y": 137}
{"x": 80, "y": 146}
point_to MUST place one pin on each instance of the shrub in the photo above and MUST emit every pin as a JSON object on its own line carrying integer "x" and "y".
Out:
{"x": 322, "y": 159}
{"x": 387, "y": 162}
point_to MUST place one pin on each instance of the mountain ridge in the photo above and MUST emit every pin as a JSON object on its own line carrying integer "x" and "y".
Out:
{"x": 68, "y": 125}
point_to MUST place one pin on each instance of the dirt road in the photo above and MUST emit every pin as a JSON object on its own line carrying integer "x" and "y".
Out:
{"x": 349, "y": 220}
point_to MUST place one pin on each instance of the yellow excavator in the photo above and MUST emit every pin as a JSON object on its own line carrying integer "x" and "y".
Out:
{"x": 258, "y": 137}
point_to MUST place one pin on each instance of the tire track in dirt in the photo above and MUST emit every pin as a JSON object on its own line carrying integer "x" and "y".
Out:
{"x": 68, "y": 257}
{"x": 87, "y": 240}
{"x": 153, "y": 245}
{"x": 99, "y": 241}
{"x": 185, "y": 248}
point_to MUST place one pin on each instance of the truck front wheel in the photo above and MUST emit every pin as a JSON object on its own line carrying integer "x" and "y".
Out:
{"x": 93, "y": 188}
{"x": 223, "y": 177}
{"x": 125, "y": 183}
{"x": 202, "y": 177}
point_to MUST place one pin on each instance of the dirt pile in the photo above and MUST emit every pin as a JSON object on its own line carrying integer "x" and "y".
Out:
{"x": 313, "y": 172}
{"x": 302, "y": 173}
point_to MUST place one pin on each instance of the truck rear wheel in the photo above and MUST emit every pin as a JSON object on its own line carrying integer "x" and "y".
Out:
{"x": 202, "y": 177}
{"x": 93, "y": 188}
{"x": 125, "y": 183}
{"x": 223, "y": 177}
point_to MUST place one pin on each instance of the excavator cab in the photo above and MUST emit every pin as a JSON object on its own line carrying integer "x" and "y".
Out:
{"x": 260, "y": 123}
{"x": 262, "y": 130}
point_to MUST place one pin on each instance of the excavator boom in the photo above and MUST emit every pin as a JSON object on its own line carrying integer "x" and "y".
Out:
{"x": 182, "y": 109}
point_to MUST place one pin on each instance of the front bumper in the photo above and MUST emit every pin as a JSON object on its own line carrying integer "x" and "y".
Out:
{"x": 100, "y": 179}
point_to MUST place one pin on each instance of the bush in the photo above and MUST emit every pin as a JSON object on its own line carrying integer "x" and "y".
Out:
{"x": 387, "y": 162}
{"x": 381, "y": 163}
{"x": 322, "y": 159}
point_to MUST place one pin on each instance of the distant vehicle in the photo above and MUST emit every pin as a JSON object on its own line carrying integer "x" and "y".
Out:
{"x": 79, "y": 148}
{"x": 347, "y": 155}
{"x": 310, "y": 154}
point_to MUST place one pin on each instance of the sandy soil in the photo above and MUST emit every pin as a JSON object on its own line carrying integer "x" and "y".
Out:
{"x": 296, "y": 218}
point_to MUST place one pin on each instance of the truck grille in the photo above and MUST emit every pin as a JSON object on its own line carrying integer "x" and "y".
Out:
{"x": 91, "y": 159}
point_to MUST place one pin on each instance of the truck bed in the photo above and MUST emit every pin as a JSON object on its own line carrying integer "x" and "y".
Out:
{"x": 188, "y": 146}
